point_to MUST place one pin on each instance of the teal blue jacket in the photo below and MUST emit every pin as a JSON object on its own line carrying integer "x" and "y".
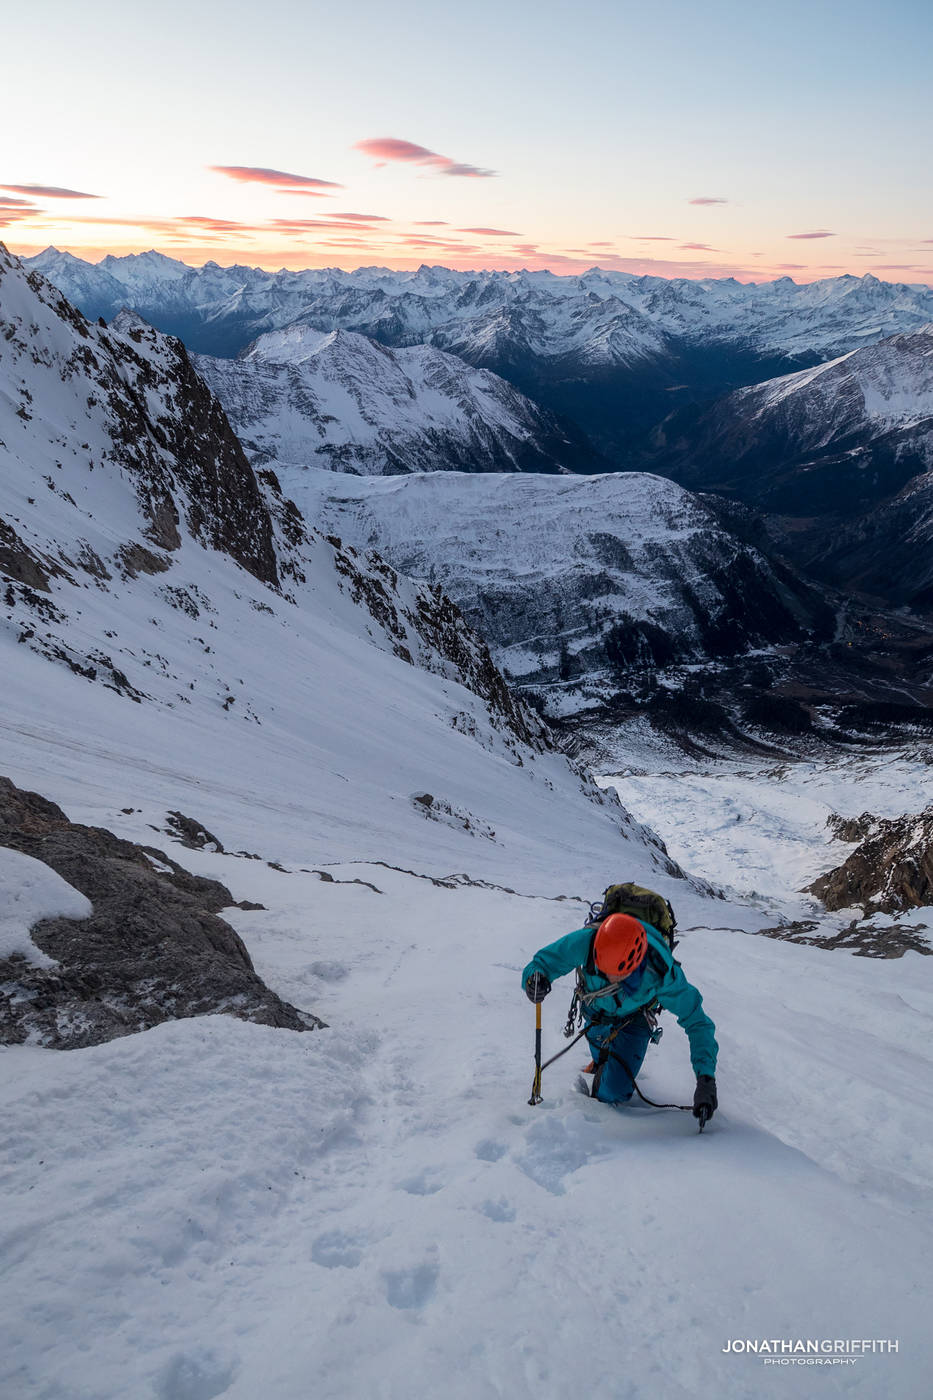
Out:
{"x": 662, "y": 981}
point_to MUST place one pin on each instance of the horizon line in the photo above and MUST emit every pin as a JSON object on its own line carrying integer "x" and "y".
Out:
{"x": 443, "y": 267}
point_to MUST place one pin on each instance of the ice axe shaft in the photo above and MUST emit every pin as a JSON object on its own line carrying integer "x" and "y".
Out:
{"x": 536, "y": 1086}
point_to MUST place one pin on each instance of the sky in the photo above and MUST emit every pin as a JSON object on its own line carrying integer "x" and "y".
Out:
{"x": 713, "y": 140}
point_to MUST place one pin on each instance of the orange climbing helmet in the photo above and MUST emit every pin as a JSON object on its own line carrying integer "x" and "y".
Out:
{"x": 620, "y": 946}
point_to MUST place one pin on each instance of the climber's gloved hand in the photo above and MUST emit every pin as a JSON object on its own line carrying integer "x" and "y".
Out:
{"x": 705, "y": 1102}
{"x": 537, "y": 987}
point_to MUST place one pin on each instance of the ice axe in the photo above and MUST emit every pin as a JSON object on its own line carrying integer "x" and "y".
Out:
{"x": 536, "y": 1086}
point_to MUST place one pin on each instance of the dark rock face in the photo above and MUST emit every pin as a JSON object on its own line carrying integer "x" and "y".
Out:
{"x": 889, "y": 872}
{"x": 159, "y": 421}
{"x": 153, "y": 949}
{"x": 429, "y": 630}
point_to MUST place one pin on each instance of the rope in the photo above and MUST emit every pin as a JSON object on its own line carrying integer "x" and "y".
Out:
{"x": 683, "y": 1107}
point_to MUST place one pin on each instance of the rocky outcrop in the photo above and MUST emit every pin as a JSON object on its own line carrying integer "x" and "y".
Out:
{"x": 153, "y": 950}
{"x": 122, "y": 400}
{"x": 889, "y": 872}
{"x": 428, "y": 630}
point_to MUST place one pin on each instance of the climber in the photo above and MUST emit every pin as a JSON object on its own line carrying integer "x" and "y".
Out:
{"x": 626, "y": 971}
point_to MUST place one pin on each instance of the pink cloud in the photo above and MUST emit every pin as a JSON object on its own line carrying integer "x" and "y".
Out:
{"x": 363, "y": 218}
{"x": 384, "y": 149}
{"x": 49, "y": 192}
{"x": 707, "y": 199}
{"x": 791, "y": 267}
{"x": 700, "y": 248}
{"x": 649, "y": 238}
{"x": 492, "y": 232}
{"x": 9, "y": 216}
{"x": 306, "y": 225}
{"x": 820, "y": 233}
{"x": 438, "y": 223}
{"x": 280, "y": 179}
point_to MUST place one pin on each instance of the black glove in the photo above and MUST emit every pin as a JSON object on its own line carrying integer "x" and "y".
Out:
{"x": 537, "y": 987}
{"x": 705, "y": 1102}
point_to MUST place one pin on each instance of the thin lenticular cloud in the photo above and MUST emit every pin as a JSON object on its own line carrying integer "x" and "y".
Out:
{"x": 439, "y": 223}
{"x": 49, "y": 192}
{"x": 306, "y": 225}
{"x": 386, "y": 149}
{"x": 707, "y": 199}
{"x": 279, "y": 179}
{"x": 363, "y": 218}
{"x": 650, "y": 238}
{"x": 700, "y": 248}
{"x": 492, "y": 232}
{"x": 9, "y": 216}
{"x": 820, "y": 233}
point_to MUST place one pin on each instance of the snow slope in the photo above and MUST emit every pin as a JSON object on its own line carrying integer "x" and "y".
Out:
{"x": 301, "y": 397}
{"x": 222, "y": 1209}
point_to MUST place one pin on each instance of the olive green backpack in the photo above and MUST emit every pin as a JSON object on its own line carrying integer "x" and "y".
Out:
{"x": 641, "y": 903}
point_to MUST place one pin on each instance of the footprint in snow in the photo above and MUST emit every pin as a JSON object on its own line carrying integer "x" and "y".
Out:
{"x": 195, "y": 1375}
{"x": 337, "y": 1250}
{"x": 499, "y": 1210}
{"x": 490, "y": 1151}
{"x": 425, "y": 1183}
{"x": 411, "y": 1288}
{"x": 554, "y": 1151}
{"x": 329, "y": 971}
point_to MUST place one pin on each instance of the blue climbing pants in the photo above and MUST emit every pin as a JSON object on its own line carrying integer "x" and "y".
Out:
{"x": 612, "y": 1083}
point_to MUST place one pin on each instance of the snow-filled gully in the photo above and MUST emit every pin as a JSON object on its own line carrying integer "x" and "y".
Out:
{"x": 219, "y": 1208}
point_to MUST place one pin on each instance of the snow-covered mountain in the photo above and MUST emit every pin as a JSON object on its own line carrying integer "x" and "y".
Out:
{"x": 597, "y": 318}
{"x": 142, "y": 554}
{"x": 609, "y": 350}
{"x": 579, "y": 584}
{"x": 848, "y": 445}
{"x": 301, "y": 397}
{"x": 215, "y": 1208}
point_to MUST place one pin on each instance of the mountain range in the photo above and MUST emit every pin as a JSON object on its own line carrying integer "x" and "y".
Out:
{"x": 612, "y": 351}
{"x": 615, "y": 596}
